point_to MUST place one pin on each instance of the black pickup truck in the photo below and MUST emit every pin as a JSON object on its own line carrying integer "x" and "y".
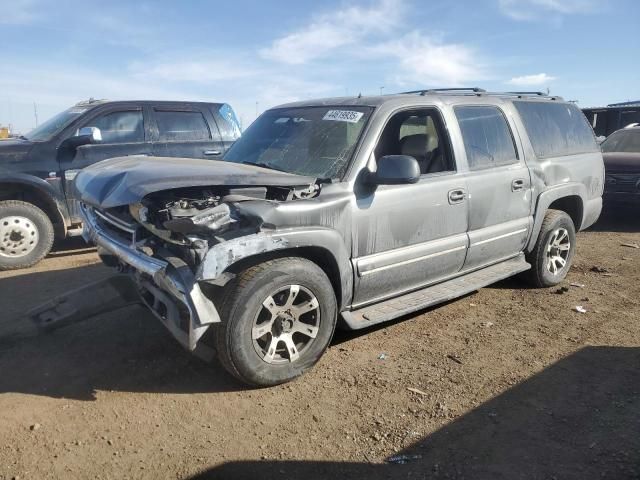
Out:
{"x": 37, "y": 202}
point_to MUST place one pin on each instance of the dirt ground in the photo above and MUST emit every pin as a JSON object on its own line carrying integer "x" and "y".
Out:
{"x": 509, "y": 383}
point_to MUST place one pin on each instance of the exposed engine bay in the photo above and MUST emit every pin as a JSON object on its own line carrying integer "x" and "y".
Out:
{"x": 197, "y": 217}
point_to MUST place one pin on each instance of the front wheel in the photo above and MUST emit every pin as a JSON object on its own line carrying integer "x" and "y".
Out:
{"x": 26, "y": 234}
{"x": 553, "y": 253}
{"x": 278, "y": 318}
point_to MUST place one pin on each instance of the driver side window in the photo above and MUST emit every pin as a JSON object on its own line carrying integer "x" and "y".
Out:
{"x": 120, "y": 127}
{"x": 418, "y": 134}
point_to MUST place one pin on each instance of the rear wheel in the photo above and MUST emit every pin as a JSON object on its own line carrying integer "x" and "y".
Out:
{"x": 554, "y": 250}
{"x": 277, "y": 320}
{"x": 26, "y": 234}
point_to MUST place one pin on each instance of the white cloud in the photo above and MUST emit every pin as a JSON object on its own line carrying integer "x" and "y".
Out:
{"x": 537, "y": 9}
{"x": 370, "y": 36}
{"x": 532, "y": 80}
{"x": 331, "y": 31}
{"x": 428, "y": 61}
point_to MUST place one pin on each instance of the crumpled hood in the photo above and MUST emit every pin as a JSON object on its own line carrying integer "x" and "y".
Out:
{"x": 622, "y": 162}
{"x": 14, "y": 150}
{"x": 126, "y": 180}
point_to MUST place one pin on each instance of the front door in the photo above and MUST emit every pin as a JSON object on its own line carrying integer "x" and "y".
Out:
{"x": 123, "y": 133}
{"x": 408, "y": 236}
{"x": 499, "y": 187}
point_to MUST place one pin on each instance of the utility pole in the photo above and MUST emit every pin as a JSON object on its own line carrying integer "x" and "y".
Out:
{"x": 257, "y": 109}
{"x": 381, "y": 88}
{"x": 35, "y": 112}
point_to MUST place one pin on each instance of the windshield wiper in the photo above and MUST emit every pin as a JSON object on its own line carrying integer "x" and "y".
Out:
{"x": 22, "y": 137}
{"x": 264, "y": 165}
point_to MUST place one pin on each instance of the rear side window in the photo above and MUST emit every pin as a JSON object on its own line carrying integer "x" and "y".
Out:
{"x": 227, "y": 123}
{"x": 181, "y": 126}
{"x": 487, "y": 138}
{"x": 556, "y": 129}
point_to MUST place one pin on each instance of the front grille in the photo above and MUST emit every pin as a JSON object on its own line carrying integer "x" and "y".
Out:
{"x": 119, "y": 223}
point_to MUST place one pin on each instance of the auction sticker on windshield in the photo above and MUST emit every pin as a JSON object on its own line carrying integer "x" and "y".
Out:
{"x": 343, "y": 116}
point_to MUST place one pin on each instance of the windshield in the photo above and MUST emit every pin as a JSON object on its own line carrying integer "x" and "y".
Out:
{"x": 313, "y": 141}
{"x": 627, "y": 141}
{"x": 52, "y": 126}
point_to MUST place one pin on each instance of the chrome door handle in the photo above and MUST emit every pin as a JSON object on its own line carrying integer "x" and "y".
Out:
{"x": 212, "y": 152}
{"x": 457, "y": 196}
{"x": 517, "y": 184}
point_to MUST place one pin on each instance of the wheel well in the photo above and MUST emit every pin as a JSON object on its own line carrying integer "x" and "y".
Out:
{"x": 35, "y": 196}
{"x": 317, "y": 255}
{"x": 572, "y": 206}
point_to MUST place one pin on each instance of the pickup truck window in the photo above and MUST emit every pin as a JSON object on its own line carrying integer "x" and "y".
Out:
{"x": 54, "y": 125}
{"x": 120, "y": 127}
{"x": 556, "y": 129}
{"x": 486, "y": 135}
{"x": 227, "y": 123}
{"x": 313, "y": 141}
{"x": 175, "y": 126}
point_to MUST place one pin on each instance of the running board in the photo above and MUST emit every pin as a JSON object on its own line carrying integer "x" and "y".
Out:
{"x": 435, "y": 294}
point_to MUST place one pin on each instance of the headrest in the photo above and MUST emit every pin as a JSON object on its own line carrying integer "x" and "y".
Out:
{"x": 414, "y": 145}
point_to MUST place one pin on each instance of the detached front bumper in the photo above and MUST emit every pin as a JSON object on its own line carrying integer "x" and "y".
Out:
{"x": 166, "y": 285}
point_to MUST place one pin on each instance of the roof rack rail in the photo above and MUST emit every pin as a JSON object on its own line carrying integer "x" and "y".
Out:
{"x": 538, "y": 94}
{"x": 444, "y": 90}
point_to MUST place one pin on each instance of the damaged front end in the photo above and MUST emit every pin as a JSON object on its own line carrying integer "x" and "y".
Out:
{"x": 176, "y": 243}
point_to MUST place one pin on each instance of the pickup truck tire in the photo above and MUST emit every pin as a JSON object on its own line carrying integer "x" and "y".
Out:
{"x": 278, "y": 318}
{"x": 553, "y": 252}
{"x": 26, "y": 235}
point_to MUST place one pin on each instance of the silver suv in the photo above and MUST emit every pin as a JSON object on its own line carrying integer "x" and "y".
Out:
{"x": 346, "y": 211}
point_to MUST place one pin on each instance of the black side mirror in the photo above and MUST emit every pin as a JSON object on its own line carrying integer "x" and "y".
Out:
{"x": 85, "y": 136}
{"x": 396, "y": 170}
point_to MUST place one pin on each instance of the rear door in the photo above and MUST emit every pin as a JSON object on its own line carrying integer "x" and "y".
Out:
{"x": 185, "y": 131}
{"x": 499, "y": 186}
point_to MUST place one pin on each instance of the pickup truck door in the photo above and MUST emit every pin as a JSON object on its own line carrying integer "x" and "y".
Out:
{"x": 408, "y": 236}
{"x": 123, "y": 133}
{"x": 499, "y": 186}
{"x": 185, "y": 131}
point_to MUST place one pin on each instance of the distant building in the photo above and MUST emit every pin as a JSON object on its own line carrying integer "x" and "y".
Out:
{"x": 606, "y": 120}
{"x": 5, "y": 132}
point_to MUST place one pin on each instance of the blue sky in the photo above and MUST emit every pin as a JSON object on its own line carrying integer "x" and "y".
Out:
{"x": 56, "y": 53}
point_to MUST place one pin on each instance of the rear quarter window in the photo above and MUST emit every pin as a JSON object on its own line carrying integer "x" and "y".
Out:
{"x": 556, "y": 129}
{"x": 227, "y": 123}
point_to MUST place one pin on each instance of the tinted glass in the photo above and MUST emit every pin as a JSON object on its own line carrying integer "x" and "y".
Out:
{"x": 627, "y": 141}
{"x": 55, "y": 124}
{"x": 181, "y": 126}
{"x": 313, "y": 141}
{"x": 120, "y": 127}
{"x": 227, "y": 123}
{"x": 556, "y": 129}
{"x": 487, "y": 138}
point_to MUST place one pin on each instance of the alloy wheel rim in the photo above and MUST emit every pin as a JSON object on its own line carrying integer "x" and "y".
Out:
{"x": 18, "y": 236}
{"x": 286, "y": 325}
{"x": 557, "y": 253}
